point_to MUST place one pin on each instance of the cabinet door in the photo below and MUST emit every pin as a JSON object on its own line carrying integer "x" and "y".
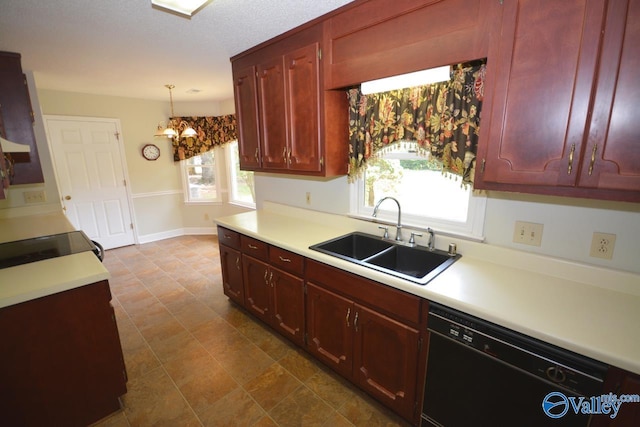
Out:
{"x": 612, "y": 154}
{"x": 386, "y": 359}
{"x": 232, "y": 283}
{"x": 288, "y": 304}
{"x": 271, "y": 100}
{"x": 257, "y": 288}
{"x": 246, "y": 102}
{"x": 542, "y": 61}
{"x": 18, "y": 117}
{"x": 620, "y": 382}
{"x": 303, "y": 108}
{"x": 329, "y": 328}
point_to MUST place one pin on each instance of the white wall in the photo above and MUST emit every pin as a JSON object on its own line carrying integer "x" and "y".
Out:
{"x": 568, "y": 223}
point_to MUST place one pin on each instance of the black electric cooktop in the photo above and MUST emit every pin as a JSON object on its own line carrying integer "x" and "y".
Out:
{"x": 45, "y": 247}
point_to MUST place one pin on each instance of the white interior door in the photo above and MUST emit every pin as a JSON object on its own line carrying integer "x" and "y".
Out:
{"x": 87, "y": 157}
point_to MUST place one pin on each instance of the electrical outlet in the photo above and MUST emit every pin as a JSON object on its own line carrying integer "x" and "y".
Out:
{"x": 308, "y": 197}
{"x": 34, "y": 196}
{"x": 602, "y": 245}
{"x": 528, "y": 233}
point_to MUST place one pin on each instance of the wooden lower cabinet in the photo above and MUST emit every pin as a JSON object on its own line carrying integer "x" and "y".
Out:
{"x": 378, "y": 353}
{"x": 367, "y": 332}
{"x": 275, "y": 297}
{"x": 61, "y": 363}
{"x": 385, "y": 359}
{"x": 232, "y": 283}
{"x": 329, "y": 335}
{"x": 257, "y": 288}
{"x": 621, "y": 382}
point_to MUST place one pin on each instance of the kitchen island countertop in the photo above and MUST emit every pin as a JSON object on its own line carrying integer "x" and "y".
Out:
{"x": 590, "y": 310}
{"x": 42, "y": 278}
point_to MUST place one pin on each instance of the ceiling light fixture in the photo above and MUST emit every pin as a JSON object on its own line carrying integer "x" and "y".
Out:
{"x": 171, "y": 131}
{"x": 418, "y": 78}
{"x": 184, "y": 8}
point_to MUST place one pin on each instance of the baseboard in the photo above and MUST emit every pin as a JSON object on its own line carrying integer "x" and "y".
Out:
{"x": 190, "y": 231}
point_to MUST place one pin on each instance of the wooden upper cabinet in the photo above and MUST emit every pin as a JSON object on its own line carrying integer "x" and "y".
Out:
{"x": 302, "y": 80}
{"x": 17, "y": 118}
{"x": 539, "y": 128}
{"x": 381, "y": 38}
{"x": 245, "y": 96}
{"x": 300, "y": 128}
{"x": 271, "y": 102}
{"x": 611, "y": 158}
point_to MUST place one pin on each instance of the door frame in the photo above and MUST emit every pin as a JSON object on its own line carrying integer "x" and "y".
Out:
{"x": 123, "y": 159}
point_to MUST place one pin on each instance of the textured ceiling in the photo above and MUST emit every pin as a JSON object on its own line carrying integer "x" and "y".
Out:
{"x": 127, "y": 48}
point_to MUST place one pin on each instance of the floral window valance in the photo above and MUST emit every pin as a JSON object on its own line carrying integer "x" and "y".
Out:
{"x": 212, "y": 131}
{"x": 442, "y": 119}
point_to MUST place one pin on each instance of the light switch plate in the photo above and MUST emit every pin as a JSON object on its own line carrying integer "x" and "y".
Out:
{"x": 528, "y": 233}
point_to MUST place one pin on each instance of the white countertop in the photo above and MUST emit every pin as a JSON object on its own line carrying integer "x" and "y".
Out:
{"x": 589, "y": 310}
{"x": 38, "y": 279}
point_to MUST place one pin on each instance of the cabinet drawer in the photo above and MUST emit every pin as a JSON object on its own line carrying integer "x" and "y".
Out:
{"x": 254, "y": 248}
{"x": 398, "y": 304}
{"x": 228, "y": 238}
{"x": 286, "y": 260}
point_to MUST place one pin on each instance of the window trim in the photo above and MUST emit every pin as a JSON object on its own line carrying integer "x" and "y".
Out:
{"x": 472, "y": 228}
{"x": 185, "y": 183}
{"x": 228, "y": 149}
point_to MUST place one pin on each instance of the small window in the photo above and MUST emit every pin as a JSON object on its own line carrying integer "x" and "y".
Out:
{"x": 241, "y": 184}
{"x": 428, "y": 197}
{"x": 200, "y": 177}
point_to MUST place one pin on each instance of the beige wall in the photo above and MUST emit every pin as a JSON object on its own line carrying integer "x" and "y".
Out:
{"x": 155, "y": 186}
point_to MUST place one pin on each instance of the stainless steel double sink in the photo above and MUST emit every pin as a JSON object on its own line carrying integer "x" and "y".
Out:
{"x": 415, "y": 263}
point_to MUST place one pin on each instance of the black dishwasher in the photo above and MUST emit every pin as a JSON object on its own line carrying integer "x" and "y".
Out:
{"x": 481, "y": 374}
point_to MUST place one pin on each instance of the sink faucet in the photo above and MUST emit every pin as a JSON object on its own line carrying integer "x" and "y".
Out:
{"x": 399, "y": 226}
{"x": 432, "y": 240}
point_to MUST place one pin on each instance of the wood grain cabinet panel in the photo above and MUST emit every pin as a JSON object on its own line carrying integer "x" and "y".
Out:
{"x": 329, "y": 336}
{"x": 18, "y": 119}
{"x": 232, "y": 282}
{"x": 273, "y": 123}
{"x": 257, "y": 288}
{"x": 557, "y": 117}
{"x": 619, "y": 382}
{"x": 301, "y": 128}
{"x": 376, "y": 351}
{"x": 61, "y": 363}
{"x": 246, "y": 102}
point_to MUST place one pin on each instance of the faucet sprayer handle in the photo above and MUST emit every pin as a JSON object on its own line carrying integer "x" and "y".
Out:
{"x": 412, "y": 239}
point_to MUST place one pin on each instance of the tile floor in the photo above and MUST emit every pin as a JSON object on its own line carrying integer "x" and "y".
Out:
{"x": 195, "y": 359}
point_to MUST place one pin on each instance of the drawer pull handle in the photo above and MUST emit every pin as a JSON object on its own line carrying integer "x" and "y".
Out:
{"x": 271, "y": 279}
{"x": 266, "y": 273}
{"x": 252, "y": 247}
{"x": 284, "y": 259}
{"x": 238, "y": 263}
{"x": 355, "y": 322}
{"x": 573, "y": 150}
{"x": 227, "y": 236}
{"x": 347, "y": 318}
{"x": 593, "y": 158}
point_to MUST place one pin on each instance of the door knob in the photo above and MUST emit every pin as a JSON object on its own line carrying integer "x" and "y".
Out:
{"x": 67, "y": 197}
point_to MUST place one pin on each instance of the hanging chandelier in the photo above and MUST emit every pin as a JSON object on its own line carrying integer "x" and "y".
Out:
{"x": 174, "y": 126}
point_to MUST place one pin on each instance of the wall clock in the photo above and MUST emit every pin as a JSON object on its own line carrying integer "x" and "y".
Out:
{"x": 150, "y": 152}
